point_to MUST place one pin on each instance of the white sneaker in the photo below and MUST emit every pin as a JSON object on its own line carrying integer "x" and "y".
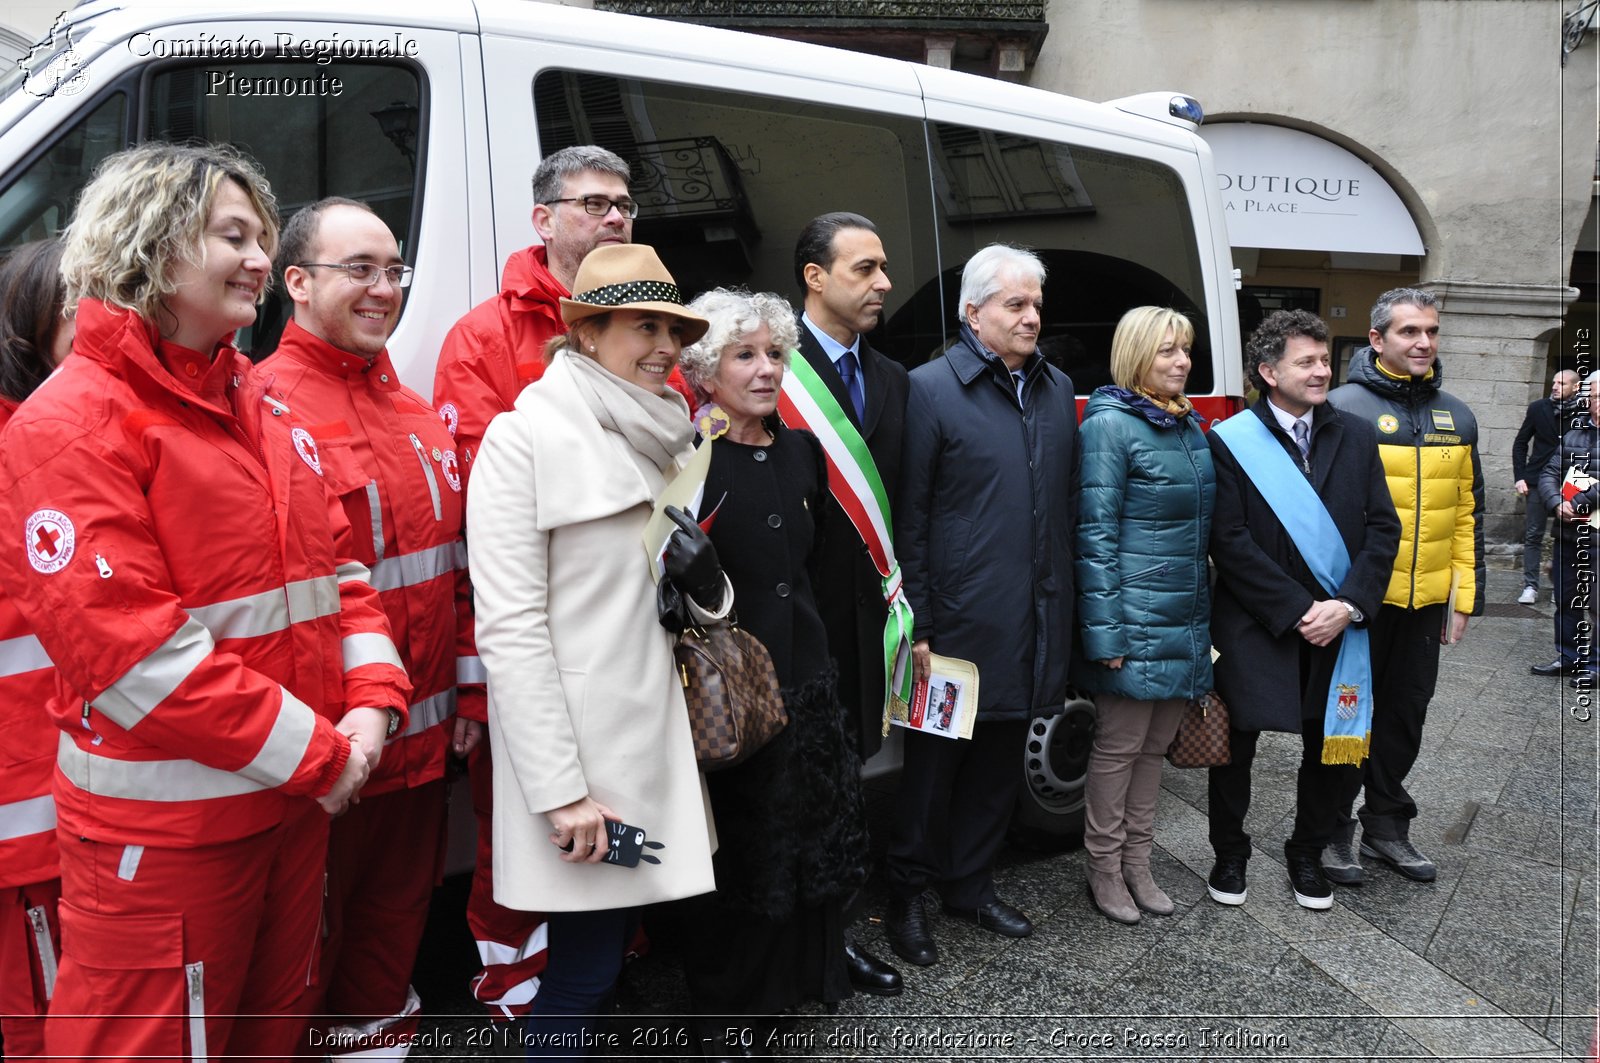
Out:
{"x": 1528, "y": 596}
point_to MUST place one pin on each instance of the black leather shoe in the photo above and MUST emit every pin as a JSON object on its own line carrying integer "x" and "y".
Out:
{"x": 905, "y": 926}
{"x": 1556, "y": 667}
{"x": 868, "y": 974}
{"x": 997, "y": 917}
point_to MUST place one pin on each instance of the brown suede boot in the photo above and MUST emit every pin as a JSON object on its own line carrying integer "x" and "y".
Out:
{"x": 1146, "y": 894}
{"x": 1110, "y": 895}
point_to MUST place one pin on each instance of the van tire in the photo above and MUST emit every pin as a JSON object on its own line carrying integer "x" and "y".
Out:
{"x": 1055, "y": 765}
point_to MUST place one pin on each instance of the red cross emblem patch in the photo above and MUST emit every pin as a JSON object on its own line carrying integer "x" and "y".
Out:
{"x": 49, "y": 539}
{"x": 306, "y": 447}
{"x": 451, "y": 417}
{"x": 452, "y": 473}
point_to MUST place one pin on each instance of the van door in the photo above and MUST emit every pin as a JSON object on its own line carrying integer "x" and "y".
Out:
{"x": 736, "y": 142}
{"x": 370, "y": 112}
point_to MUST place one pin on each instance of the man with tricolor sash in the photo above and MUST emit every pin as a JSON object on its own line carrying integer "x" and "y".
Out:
{"x": 857, "y": 395}
{"x": 984, "y": 519}
{"x": 1303, "y": 538}
{"x": 853, "y": 399}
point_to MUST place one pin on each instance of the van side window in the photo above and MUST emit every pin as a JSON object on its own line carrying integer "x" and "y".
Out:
{"x": 725, "y": 180}
{"x": 1114, "y": 232}
{"x": 38, "y": 202}
{"x": 363, "y": 141}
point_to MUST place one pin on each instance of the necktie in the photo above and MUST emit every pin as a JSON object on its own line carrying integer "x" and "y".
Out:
{"x": 850, "y": 373}
{"x": 1302, "y": 438}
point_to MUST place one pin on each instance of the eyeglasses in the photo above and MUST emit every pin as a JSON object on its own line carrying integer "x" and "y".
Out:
{"x": 366, "y": 273}
{"x": 600, "y": 206}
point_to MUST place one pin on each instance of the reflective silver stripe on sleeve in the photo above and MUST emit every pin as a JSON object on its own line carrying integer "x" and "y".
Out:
{"x": 260, "y": 614}
{"x": 311, "y": 599}
{"x": 147, "y": 780}
{"x": 369, "y": 648}
{"x": 19, "y": 656}
{"x": 420, "y": 566}
{"x": 19, "y": 819}
{"x": 286, "y": 743}
{"x": 353, "y": 570}
{"x": 151, "y": 681}
{"x": 470, "y": 670}
{"x": 429, "y": 711}
{"x": 375, "y": 507}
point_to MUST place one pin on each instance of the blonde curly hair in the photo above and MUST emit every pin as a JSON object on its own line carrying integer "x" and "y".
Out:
{"x": 144, "y": 212}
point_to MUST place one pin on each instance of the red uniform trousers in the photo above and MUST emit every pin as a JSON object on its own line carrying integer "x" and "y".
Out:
{"x": 28, "y": 953}
{"x": 385, "y": 856}
{"x": 511, "y": 943}
{"x": 179, "y": 954}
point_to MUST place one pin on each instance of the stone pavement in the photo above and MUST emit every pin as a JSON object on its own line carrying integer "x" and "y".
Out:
{"x": 1496, "y": 959}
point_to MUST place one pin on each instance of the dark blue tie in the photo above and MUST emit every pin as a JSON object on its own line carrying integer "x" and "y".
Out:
{"x": 848, "y": 372}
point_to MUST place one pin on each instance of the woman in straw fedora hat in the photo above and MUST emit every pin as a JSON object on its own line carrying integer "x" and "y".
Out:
{"x": 586, "y": 715}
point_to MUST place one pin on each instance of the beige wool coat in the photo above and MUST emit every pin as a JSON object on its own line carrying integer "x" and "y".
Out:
{"x": 583, "y": 694}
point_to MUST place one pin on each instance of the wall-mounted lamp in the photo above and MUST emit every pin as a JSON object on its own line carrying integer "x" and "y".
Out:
{"x": 398, "y": 121}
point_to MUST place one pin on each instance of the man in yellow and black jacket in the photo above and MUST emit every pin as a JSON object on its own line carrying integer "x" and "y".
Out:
{"x": 1428, "y": 441}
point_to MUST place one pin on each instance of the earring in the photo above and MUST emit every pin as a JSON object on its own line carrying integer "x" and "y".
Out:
{"x": 591, "y": 348}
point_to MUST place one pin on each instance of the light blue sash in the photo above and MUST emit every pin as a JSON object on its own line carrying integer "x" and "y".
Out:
{"x": 1347, "y": 723}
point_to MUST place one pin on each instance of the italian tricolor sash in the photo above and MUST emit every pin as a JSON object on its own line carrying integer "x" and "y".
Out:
{"x": 804, "y": 401}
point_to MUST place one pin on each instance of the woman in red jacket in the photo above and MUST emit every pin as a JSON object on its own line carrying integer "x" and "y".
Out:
{"x": 223, "y": 667}
{"x": 34, "y": 338}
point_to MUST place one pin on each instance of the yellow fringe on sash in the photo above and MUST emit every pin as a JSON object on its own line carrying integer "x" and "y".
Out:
{"x": 1346, "y": 749}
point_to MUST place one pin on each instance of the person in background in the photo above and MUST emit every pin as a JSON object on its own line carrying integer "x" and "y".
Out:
{"x": 791, "y": 821}
{"x": 1278, "y": 629}
{"x": 587, "y": 719}
{"x": 1537, "y": 439}
{"x": 1428, "y": 440}
{"x": 222, "y": 661}
{"x": 36, "y": 331}
{"x": 1146, "y": 491}
{"x": 394, "y": 468}
{"x": 988, "y": 498}
{"x": 1573, "y": 506}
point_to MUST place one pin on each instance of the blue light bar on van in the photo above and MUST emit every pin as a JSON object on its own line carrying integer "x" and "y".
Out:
{"x": 1187, "y": 108}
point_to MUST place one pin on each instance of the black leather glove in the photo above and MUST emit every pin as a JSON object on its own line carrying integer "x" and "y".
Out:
{"x": 691, "y": 562}
{"x": 670, "y": 610}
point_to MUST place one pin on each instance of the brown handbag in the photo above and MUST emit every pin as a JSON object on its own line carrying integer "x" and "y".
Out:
{"x": 731, "y": 689}
{"x": 1202, "y": 738}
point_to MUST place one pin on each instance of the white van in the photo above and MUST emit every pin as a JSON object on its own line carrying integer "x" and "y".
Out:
{"x": 437, "y": 113}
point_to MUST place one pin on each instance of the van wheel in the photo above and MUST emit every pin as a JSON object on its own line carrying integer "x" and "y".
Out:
{"x": 1055, "y": 766}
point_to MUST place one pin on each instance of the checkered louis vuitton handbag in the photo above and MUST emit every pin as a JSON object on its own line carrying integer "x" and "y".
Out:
{"x": 1202, "y": 738}
{"x": 732, "y": 692}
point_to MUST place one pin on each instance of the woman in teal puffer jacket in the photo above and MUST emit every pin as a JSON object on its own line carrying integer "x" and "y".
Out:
{"x": 1144, "y": 604}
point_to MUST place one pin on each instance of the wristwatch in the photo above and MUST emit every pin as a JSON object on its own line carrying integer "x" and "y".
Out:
{"x": 394, "y": 722}
{"x": 1355, "y": 614}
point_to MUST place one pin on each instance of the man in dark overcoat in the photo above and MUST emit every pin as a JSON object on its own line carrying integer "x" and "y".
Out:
{"x": 1542, "y": 427}
{"x": 842, "y": 271}
{"x": 984, "y": 530}
{"x": 843, "y": 275}
{"x": 1566, "y": 488}
{"x": 1276, "y": 629}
